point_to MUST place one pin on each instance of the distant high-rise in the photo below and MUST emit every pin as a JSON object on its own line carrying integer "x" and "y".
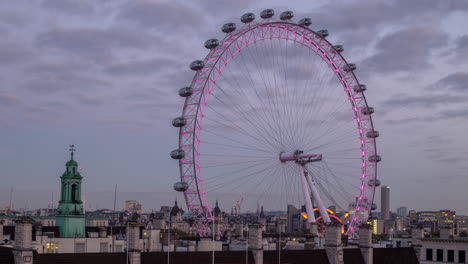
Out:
{"x": 133, "y": 206}
{"x": 385, "y": 201}
{"x": 402, "y": 211}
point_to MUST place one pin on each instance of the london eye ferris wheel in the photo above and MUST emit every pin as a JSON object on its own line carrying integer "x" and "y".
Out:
{"x": 275, "y": 112}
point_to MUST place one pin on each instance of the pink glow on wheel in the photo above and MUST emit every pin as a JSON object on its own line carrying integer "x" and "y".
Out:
{"x": 204, "y": 81}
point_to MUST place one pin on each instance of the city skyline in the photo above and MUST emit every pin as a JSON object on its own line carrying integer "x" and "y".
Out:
{"x": 103, "y": 81}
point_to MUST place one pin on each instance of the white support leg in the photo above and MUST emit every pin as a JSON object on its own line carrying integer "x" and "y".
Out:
{"x": 307, "y": 201}
{"x": 316, "y": 196}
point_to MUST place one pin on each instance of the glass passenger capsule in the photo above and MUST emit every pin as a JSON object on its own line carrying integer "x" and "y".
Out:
{"x": 267, "y": 13}
{"x": 338, "y": 48}
{"x": 367, "y": 111}
{"x": 286, "y": 15}
{"x": 375, "y": 158}
{"x": 178, "y": 154}
{"x": 373, "y": 207}
{"x": 374, "y": 183}
{"x": 350, "y": 67}
{"x": 372, "y": 134}
{"x": 211, "y": 43}
{"x": 247, "y": 17}
{"x": 305, "y": 22}
{"x": 323, "y": 33}
{"x": 197, "y": 65}
{"x": 186, "y": 91}
{"x": 360, "y": 88}
{"x": 179, "y": 122}
{"x": 181, "y": 186}
{"x": 228, "y": 27}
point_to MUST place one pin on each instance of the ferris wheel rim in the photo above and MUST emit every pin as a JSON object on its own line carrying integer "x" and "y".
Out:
{"x": 323, "y": 46}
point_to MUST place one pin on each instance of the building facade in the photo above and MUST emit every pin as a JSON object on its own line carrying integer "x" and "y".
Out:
{"x": 133, "y": 206}
{"x": 402, "y": 211}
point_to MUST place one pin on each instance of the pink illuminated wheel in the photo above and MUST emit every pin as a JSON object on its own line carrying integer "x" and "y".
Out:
{"x": 275, "y": 113}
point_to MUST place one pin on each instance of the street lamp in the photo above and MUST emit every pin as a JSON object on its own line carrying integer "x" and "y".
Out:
{"x": 145, "y": 239}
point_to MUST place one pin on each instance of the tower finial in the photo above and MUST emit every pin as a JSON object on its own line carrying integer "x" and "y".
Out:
{"x": 72, "y": 149}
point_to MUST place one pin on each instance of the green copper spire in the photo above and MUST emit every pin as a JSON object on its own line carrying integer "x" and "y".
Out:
{"x": 70, "y": 213}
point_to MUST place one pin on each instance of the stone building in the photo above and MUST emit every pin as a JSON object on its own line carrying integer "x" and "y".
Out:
{"x": 70, "y": 214}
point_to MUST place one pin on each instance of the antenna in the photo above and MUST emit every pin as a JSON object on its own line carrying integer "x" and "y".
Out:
{"x": 11, "y": 197}
{"x": 115, "y": 196}
{"x": 52, "y": 202}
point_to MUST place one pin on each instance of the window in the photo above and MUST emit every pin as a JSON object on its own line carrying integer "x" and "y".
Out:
{"x": 450, "y": 255}
{"x": 73, "y": 194}
{"x": 103, "y": 247}
{"x": 428, "y": 253}
{"x": 80, "y": 248}
{"x": 440, "y": 255}
{"x": 52, "y": 247}
{"x": 461, "y": 256}
{"x": 118, "y": 248}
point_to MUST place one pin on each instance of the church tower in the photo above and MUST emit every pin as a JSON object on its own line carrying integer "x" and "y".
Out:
{"x": 70, "y": 214}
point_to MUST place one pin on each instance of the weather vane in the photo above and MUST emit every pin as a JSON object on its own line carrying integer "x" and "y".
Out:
{"x": 72, "y": 149}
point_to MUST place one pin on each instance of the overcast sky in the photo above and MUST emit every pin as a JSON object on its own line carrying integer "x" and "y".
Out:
{"x": 104, "y": 75}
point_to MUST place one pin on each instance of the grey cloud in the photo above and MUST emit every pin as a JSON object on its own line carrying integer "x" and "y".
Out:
{"x": 358, "y": 22}
{"x": 453, "y": 160}
{"x": 13, "y": 53}
{"x": 87, "y": 100}
{"x": 166, "y": 16}
{"x": 408, "y": 120}
{"x": 431, "y": 5}
{"x": 41, "y": 112}
{"x": 144, "y": 93}
{"x": 59, "y": 105}
{"x": 408, "y": 49}
{"x": 9, "y": 100}
{"x": 223, "y": 7}
{"x": 62, "y": 68}
{"x": 152, "y": 106}
{"x": 13, "y": 18}
{"x": 457, "y": 82}
{"x": 460, "y": 51}
{"x": 143, "y": 67}
{"x": 369, "y": 14}
{"x": 91, "y": 41}
{"x": 462, "y": 113}
{"x": 427, "y": 101}
{"x": 51, "y": 83}
{"x": 69, "y": 6}
{"x": 443, "y": 140}
{"x": 125, "y": 123}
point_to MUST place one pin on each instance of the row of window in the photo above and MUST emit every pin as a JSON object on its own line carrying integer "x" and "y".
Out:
{"x": 439, "y": 256}
{"x": 103, "y": 248}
